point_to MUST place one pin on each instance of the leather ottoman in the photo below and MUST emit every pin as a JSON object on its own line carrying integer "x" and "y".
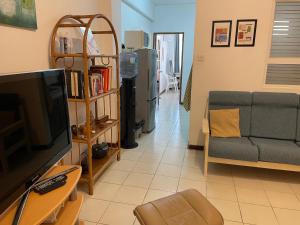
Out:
{"x": 189, "y": 207}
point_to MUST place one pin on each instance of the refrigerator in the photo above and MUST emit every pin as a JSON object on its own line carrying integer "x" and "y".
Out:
{"x": 146, "y": 88}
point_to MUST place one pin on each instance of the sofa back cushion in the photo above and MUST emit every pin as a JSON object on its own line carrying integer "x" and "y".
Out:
{"x": 274, "y": 115}
{"x": 231, "y": 100}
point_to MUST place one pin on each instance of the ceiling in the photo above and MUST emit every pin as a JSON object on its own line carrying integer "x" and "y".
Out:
{"x": 170, "y": 2}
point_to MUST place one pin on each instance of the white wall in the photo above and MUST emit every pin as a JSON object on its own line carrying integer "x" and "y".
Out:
{"x": 228, "y": 68}
{"x": 178, "y": 18}
{"x": 137, "y": 15}
{"x": 26, "y": 50}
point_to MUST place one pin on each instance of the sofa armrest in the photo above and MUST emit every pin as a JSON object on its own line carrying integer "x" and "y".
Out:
{"x": 205, "y": 126}
{"x": 205, "y": 130}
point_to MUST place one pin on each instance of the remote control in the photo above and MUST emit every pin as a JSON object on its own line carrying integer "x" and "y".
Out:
{"x": 50, "y": 185}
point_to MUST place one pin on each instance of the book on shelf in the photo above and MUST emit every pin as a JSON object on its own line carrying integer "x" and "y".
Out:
{"x": 105, "y": 73}
{"x": 99, "y": 82}
{"x": 95, "y": 84}
{"x": 75, "y": 84}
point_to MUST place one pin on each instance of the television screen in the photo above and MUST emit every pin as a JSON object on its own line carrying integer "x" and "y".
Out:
{"x": 34, "y": 129}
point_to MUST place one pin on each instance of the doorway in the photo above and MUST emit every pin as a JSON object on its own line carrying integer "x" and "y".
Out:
{"x": 169, "y": 47}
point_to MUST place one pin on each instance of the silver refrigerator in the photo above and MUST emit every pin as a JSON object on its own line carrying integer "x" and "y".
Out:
{"x": 146, "y": 88}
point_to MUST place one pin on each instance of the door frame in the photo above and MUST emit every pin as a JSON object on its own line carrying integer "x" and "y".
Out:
{"x": 154, "y": 46}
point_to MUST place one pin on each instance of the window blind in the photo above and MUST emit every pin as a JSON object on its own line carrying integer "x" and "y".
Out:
{"x": 286, "y": 30}
{"x": 283, "y": 74}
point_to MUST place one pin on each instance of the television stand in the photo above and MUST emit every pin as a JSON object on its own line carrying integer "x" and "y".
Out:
{"x": 39, "y": 207}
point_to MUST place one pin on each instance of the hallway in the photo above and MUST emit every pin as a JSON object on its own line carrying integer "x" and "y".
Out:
{"x": 151, "y": 171}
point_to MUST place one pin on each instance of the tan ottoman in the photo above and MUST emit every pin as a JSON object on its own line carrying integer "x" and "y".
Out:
{"x": 189, "y": 207}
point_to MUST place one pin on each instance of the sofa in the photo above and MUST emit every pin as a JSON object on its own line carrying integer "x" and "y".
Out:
{"x": 269, "y": 128}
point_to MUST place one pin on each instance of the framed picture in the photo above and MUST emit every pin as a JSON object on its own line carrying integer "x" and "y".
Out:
{"x": 245, "y": 33}
{"x": 19, "y": 13}
{"x": 221, "y": 33}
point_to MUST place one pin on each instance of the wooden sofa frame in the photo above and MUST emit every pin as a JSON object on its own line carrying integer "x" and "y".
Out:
{"x": 259, "y": 164}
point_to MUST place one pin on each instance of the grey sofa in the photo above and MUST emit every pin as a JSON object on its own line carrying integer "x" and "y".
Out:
{"x": 270, "y": 130}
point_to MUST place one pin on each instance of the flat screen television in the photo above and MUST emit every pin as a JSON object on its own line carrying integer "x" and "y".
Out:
{"x": 34, "y": 129}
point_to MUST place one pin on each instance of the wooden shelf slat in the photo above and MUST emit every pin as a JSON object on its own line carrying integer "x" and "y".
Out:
{"x": 99, "y": 165}
{"x": 80, "y": 55}
{"x": 95, "y": 98}
{"x": 73, "y": 25}
{"x": 70, "y": 212}
{"x": 99, "y": 131}
{"x": 102, "y": 32}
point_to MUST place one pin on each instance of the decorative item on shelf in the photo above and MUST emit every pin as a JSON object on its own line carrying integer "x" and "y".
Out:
{"x": 81, "y": 131}
{"x": 91, "y": 43}
{"x": 245, "y": 33}
{"x": 221, "y": 33}
{"x": 84, "y": 162}
{"x": 100, "y": 150}
{"x": 101, "y": 119}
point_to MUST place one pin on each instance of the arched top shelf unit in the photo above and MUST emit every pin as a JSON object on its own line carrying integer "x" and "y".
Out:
{"x": 84, "y": 21}
{"x": 93, "y": 132}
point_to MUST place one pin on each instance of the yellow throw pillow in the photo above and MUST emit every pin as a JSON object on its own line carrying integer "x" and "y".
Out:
{"x": 225, "y": 123}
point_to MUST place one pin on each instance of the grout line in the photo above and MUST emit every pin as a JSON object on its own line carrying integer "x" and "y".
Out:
{"x": 237, "y": 198}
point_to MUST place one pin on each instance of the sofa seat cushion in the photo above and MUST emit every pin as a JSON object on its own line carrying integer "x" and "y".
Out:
{"x": 233, "y": 148}
{"x": 277, "y": 151}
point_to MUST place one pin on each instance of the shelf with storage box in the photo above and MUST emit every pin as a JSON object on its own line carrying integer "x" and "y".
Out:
{"x": 93, "y": 90}
{"x": 65, "y": 202}
{"x": 99, "y": 165}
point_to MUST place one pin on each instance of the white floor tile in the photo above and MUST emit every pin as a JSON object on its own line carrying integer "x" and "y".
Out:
{"x": 255, "y": 214}
{"x": 130, "y": 195}
{"x": 105, "y": 191}
{"x": 287, "y": 217}
{"x": 124, "y": 165}
{"x": 227, "y": 222}
{"x": 146, "y": 167}
{"x": 168, "y": 170}
{"x": 221, "y": 191}
{"x": 139, "y": 180}
{"x": 185, "y": 184}
{"x": 133, "y": 155}
{"x": 192, "y": 174}
{"x": 93, "y": 209}
{"x": 156, "y": 194}
{"x": 277, "y": 186}
{"x": 164, "y": 183}
{"x": 118, "y": 214}
{"x": 229, "y": 210}
{"x": 253, "y": 196}
{"x": 114, "y": 176}
{"x": 283, "y": 200}
{"x": 89, "y": 223}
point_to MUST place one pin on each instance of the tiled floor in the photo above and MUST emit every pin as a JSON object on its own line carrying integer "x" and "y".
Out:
{"x": 162, "y": 165}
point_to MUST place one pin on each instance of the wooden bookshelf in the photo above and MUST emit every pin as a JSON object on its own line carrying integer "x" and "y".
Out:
{"x": 109, "y": 100}
{"x": 39, "y": 207}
